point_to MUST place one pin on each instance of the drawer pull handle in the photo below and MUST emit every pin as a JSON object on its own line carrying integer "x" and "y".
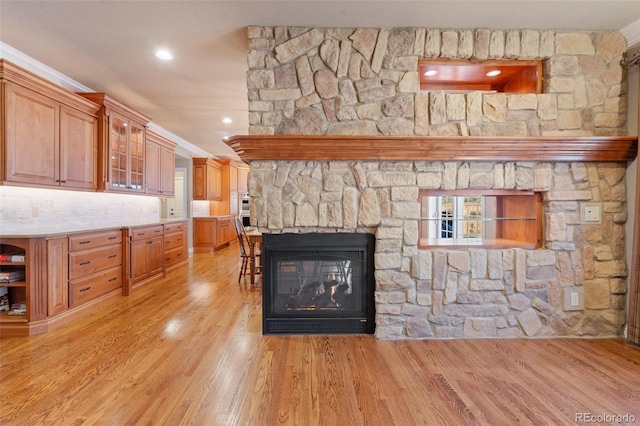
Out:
{"x": 85, "y": 242}
{"x": 115, "y": 237}
{"x": 113, "y": 279}
{"x": 149, "y": 242}
{"x": 179, "y": 239}
{"x": 140, "y": 233}
{"x": 85, "y": 263}
{"x": 157, "y": 230}
{"x": 85, "y": 289}
{"x": 112, "y": 256}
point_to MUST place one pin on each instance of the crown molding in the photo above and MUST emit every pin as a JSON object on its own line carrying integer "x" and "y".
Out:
{"x": 632, "y": 33}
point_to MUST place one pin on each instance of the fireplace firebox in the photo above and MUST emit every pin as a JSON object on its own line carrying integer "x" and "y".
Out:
{"x": 318, "y": 283}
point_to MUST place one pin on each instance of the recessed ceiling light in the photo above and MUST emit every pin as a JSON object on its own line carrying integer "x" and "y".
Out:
{"x": 431, "y": 73}
{"x": 227, "y": 120}
{"x": 493, "y": 73}
{"x": 164, "y": 54}
{"x": 225, "y": 138}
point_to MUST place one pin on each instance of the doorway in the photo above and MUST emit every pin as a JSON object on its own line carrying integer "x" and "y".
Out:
{"x": 176, "y": 207}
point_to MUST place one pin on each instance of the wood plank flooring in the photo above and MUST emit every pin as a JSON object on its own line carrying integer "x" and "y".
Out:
{"x": 188, "y": 350}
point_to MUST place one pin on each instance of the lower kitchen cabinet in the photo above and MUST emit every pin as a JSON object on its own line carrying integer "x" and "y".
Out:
{"x": 57, "y": 276}
{"x": 146, "y": 254}
{"x": 95, "y": 265}
{"x": 213, "y": 232}
{"x": 53, "y": 279}
{"x": 226, "y": 231}
{"x": 175, "y": 244}
{"x": 61, "y": 278}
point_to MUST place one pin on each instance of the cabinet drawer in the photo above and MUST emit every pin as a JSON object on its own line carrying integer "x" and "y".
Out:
{"x": 171, "y": 257}
{"x": 173, "y": 227}
{"x": 96, "y": 239}
{"x": 225, "y": 222}
{"x": 92, "y": 286}
{"x": 89, "y": 261}
{"x": 172, "y": 241}
{"x": 146, "y": 232}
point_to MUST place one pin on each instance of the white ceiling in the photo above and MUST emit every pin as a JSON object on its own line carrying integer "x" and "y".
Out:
{"x": 109, "y": 45}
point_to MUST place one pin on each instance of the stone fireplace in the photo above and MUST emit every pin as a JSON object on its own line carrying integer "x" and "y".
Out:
{"x": 565, "y": 143}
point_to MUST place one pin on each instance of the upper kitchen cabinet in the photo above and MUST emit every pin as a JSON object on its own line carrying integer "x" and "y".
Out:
{"x": 207, "y": 179}
{"x": 122, "y": 133}
{"x": 233, "y": 183}
{"x": 243, "y": 178}
{"x": 50, "y": 134}
{"x": 160, "y": 165}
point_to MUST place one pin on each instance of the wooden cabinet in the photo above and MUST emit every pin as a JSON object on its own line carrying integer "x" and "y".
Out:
{"x": 213, "y": 232}
{"x": 243, "y": 179}
{"x": 60, "y": 278}
{"x": 26, "y": 286}
{"x": 50, "y": 134}
{"x": 13, "y": 280}
{"x": 95, "y": 265}
{"x": 121, "y": 136}
{"x": 207, "y": 183}
{"x": 146, "y": 253}
{"x": 57, "y": 276}
{"x": 204, "y": 232}
{"x": 225, "y": 231}
{"x": 233, "y": 179}
{"x": 175, "y": 244}
{"x": 63, "y": 277}
{"x": 160, "y": 165}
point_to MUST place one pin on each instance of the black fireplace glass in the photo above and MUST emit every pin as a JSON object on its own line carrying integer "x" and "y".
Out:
{"x": 318, "y": 283}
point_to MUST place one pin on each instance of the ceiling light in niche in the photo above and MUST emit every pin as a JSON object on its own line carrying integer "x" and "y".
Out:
{"x": 164, "y": 54}
{"x": 494, "y": 73}
{"x": 227, "y": 120}
{"x": 515, "y": 76}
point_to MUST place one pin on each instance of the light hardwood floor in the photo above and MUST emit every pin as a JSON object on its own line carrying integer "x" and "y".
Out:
{"x": 188, "y": 350}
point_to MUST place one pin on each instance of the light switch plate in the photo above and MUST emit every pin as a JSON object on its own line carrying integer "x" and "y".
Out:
{"x": 591, "y": 213}
{"x": 573, "y": 298}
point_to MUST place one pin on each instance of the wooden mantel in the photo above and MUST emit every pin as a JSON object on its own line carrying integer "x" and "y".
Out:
{"x": 429, "y": 148}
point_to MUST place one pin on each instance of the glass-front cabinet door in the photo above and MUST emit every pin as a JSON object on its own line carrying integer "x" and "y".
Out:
{"x": 136, "y": 157}
{"x": 118, "y": 149}
{"x": 126, "y": 154}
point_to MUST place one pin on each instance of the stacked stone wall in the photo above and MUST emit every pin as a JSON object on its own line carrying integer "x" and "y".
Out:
{"x": 439, "y": 293}
{"x": 364, "y": 81}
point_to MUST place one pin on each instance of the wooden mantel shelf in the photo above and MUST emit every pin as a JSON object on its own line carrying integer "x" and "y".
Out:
{"x": 429, "y": 148}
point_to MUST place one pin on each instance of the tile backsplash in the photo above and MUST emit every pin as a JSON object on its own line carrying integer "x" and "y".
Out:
{"x": 23, "y": 209}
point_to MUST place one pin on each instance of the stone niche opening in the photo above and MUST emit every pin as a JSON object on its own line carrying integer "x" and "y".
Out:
{"x": 318, "y": 283}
